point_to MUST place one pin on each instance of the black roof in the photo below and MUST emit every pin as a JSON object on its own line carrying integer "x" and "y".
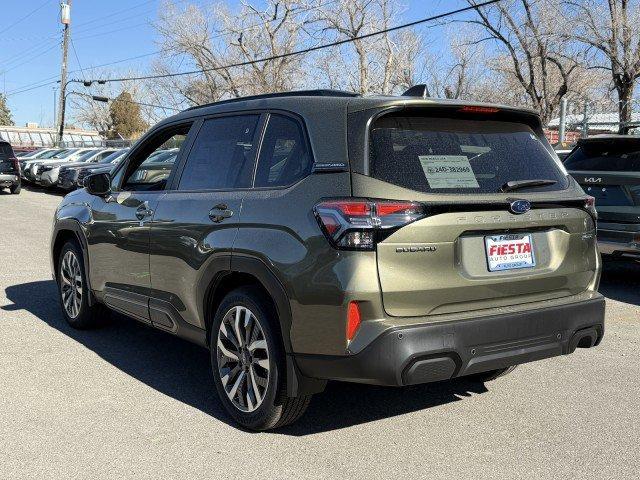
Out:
{"x": 294, "y": 93}
{"x": 355, "y": 101}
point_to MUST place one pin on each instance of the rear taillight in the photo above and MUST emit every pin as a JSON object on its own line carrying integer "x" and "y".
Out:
{"x": 590, "y": 206}
{"x": 358, "y": 224}
{"x": 16, "y": 164}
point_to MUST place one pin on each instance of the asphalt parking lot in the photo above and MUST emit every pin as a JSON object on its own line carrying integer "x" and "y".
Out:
{"x": 127, "y": 401}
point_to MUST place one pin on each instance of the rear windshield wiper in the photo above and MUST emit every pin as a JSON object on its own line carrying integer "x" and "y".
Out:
{"x": 518, "y": 184}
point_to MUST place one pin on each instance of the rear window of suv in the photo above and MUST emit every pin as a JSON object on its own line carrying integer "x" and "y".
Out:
{"x": 6, "y": 152}
{"x": 450, "y": 155}
{"x": 605, "y": 157}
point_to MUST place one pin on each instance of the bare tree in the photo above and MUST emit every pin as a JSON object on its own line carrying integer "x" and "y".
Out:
{"x": 613, "y": 32}
{"x": 463, "y": 71}
{"x": 214, "y": 38}
{"x": 541, "y": 62}
{"x": 382, "y": 64}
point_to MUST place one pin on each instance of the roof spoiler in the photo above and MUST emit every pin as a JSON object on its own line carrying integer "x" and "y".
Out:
{"x": 420, "y": 90}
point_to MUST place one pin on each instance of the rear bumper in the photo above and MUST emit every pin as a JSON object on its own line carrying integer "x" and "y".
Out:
{"x": 8, "y": 180}
{"x": 440, "y": 351}
{"x": 622, "y": 241}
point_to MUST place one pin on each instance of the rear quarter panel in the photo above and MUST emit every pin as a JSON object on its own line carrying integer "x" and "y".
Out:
{"x": 279, "y": 228}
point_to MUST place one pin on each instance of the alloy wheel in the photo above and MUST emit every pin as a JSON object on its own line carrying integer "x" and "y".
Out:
{"x": 243, "y": 358}
{"x": 71, "y": 284}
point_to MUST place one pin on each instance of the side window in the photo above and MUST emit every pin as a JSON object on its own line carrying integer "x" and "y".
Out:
{"x": 102, "y": 155}
{"x": 150, "y": 167}
{"x": 284, "y": 155}
{"x": 222, "y": 156}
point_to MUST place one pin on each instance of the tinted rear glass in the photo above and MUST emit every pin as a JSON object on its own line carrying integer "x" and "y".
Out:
{"x": 605, "y": 157}
{"x": 6, "y": 152}
{"x": 447, "y": 155}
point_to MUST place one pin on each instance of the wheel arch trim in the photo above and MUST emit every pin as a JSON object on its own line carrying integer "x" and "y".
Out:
{"x": 64, "y": 227}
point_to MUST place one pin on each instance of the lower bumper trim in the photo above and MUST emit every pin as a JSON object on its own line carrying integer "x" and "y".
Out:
{"x": 432, "y": 352}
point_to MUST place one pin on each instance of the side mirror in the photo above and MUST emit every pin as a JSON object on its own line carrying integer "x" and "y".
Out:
{"x": 98, "y": 184}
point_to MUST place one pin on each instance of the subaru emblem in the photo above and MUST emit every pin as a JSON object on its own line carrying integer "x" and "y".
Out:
{"x": 519, "y": 207}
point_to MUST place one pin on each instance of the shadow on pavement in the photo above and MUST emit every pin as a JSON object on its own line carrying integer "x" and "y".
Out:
{"x": 181, "y": 370}
{"x": 32, "y": 187}
{"x": 621, "y": 280}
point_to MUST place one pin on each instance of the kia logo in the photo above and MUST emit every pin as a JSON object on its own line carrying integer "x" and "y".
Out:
{"x": 519, "y": 207}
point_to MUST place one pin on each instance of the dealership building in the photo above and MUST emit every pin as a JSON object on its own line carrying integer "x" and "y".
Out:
{"x": 32, "y": 136}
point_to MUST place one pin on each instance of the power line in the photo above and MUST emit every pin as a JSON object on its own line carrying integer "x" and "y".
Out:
{"x": 40, "y": 84}
{"x": 115, "y": 62}
{"x": 107, "y": 99}
{"x": 32, "y": 58}
{"x": 308, "y": 49}
{"x": 27, "y": 87}
{"x": 118, "y": 12}
{"x": 23, "y": 53}
{"x": 93, "y": 35}
{"x": 13, "y": 24}
{"x": 75, "y": 54}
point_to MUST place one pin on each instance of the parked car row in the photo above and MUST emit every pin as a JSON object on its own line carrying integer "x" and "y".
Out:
{"x": 66, "y": 168}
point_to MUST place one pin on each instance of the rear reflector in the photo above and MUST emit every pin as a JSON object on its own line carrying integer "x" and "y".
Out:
{"x": 16, "y": 164}
{"x": 353, "y": 320}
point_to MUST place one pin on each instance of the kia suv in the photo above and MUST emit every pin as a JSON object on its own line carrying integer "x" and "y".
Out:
{"x": 9, "y": 168}
{"x": 320, "y": 235}
{"x": 608, "y": 168}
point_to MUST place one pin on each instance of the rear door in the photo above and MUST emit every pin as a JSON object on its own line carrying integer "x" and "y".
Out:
{"x": 196, "y": 222}
{"x": 476, "y": 246}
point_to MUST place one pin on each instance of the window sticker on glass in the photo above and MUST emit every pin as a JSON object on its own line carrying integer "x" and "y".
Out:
{"x": 448, "y": 171}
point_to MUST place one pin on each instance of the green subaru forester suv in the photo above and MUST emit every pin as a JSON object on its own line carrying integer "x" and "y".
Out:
{"x": 322, "y": 235}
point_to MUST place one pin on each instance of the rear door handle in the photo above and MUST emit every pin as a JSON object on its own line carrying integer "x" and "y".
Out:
{"x": 218, "y": 213}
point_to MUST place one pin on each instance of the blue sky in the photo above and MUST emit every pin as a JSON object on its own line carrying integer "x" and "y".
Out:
{"x": 103, "y": 31}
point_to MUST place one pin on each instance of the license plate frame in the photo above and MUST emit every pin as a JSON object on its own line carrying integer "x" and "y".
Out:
{"x": 515, "y": 256}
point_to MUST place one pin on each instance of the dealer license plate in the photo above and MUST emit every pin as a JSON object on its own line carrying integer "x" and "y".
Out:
{"x": 509, "y": 252}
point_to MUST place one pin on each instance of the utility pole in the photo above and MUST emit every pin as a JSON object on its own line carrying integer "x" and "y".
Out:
{"x": 585, "y": 120}
{"x": 563, "y": 120}
{"x": 65, "y": 19}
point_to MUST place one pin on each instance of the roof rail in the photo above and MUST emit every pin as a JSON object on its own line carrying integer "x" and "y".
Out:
{"x": 295, "y": 93}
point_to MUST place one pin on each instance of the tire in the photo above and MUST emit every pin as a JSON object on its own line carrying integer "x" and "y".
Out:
{"x": 491, "y": 374}
{"x": 258, "y": 400}
{"x": 73, "y": 292}
{"x": 15, "y": 189}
